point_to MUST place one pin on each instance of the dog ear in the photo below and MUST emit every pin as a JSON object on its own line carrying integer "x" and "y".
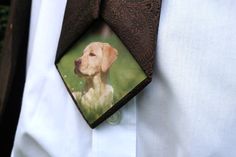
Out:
{"x": 109, "y": 56}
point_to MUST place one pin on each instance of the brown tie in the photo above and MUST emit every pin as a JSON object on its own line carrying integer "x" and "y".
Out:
{"x": 134, "y": 22}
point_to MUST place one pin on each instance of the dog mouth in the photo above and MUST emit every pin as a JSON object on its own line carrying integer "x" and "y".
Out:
{"x": 77, "y": 64}
{"x": 77, "y": 71}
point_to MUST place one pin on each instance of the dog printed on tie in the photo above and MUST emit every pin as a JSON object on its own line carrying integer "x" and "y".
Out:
{"x": 94, "y": 66}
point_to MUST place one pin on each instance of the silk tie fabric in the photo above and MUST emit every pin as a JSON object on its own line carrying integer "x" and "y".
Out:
{"x": 134, "y": 22}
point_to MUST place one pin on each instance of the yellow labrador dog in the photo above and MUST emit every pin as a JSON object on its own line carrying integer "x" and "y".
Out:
{"x": 94, "y": 66}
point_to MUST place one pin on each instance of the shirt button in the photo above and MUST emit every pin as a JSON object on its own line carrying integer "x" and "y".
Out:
{"x": 115, "y": 118}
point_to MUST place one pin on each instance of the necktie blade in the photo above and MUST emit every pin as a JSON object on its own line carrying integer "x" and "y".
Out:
{"x": 110, "y": 47}
{"x": 79, "y": 15}
{"x": 136, "y": 24}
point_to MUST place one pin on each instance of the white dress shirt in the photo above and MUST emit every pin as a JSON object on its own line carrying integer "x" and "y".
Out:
{"x": 189, "y": 109}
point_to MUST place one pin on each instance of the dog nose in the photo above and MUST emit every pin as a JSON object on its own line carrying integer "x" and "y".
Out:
{"x": 77, "y": 62}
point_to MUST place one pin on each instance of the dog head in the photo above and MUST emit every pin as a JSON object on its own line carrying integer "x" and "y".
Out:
{"x": 97, "y": 57}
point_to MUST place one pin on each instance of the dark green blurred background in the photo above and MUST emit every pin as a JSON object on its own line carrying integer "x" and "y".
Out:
{"x": 4, "y": 11}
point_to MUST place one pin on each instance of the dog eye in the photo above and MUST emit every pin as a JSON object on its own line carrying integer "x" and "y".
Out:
{"x": 92, "y": 54}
